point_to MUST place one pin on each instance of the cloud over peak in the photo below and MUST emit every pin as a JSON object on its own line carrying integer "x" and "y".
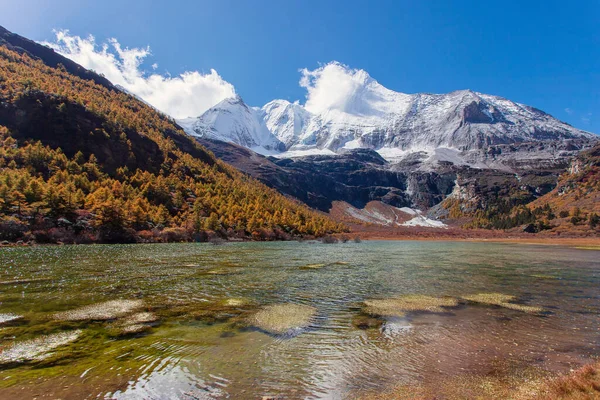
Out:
{"x": 189, "y": 94}
{"x": 333, "y": 86}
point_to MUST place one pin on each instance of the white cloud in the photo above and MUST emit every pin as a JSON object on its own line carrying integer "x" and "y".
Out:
{"x": 332, "y": 87}
{"x": 586, "y": 118}
{"x": 569, "y": 111}
{"x": 189, "y": 94}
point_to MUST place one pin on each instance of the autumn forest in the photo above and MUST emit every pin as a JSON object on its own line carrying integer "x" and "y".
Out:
{"x": 83, "y": 162}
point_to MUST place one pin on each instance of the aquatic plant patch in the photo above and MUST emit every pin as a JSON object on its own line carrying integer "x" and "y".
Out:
{"x": 7, "y": 317}
{"x": 37, "y": 349}
{"x": 398, "y": 307}
{"x": 224, "y": 271}
{"x": 282, "y": 319}
{"x": 313, "y": 266}
{"x": 135, "y": 323}
{"x": 236, "y": 302}
{"x": 101, "y": 312}
{"x": 366, "y": 322}
{"x": 502, "y": 300}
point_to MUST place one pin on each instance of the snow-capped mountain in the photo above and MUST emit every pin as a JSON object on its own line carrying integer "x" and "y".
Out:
{"x": 394, "y": 124}
{"x": 233, "y": 121}
{"x": 286, "y": 121}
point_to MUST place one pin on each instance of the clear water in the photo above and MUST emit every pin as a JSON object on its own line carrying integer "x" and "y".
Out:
{"x": 199, "y": 350}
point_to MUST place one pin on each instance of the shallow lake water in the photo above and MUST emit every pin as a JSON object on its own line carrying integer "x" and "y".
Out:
{"x": 201, "y": 343}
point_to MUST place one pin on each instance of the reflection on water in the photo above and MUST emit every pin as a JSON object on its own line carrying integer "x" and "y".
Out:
{"x": 203, "y": 347}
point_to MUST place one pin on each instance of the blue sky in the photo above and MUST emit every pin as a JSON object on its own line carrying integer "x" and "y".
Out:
{"x": 542, "y": 53}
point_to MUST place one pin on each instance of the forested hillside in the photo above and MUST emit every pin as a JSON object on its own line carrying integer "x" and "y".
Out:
{"x": 83, "y": 162}
{"x": 572, "y": 207}
{"x": 576, "y": 199}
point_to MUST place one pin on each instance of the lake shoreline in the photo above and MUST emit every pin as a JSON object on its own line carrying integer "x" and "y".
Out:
{"x": 549, "y": 241}
{"x": 367, "y": 236}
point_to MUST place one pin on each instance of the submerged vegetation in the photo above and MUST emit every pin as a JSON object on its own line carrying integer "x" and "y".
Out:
{"x": 100, "y": 312}
{"x": 313, "y": 266}
{"x": 398, "y": 307}
{"x": 80, "y": 162}
{"x": 281, "y": 319}
{"x": 502, "y": 300}
{"x": 37, "y": 349}
{"x": 7, "y": 317}
{"x": 528, "y": 384}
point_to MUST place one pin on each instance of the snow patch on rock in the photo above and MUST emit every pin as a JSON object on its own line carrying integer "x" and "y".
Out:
{"x": 383, "y": 214}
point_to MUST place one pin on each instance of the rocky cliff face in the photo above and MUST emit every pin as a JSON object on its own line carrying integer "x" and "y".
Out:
{"x": 358, "y": 177}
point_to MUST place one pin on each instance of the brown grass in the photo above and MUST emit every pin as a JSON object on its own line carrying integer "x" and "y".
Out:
{"x": 583, "y": 383}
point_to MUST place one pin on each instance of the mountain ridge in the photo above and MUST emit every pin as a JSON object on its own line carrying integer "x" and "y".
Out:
{"x": 49, "y": 57}
{"x": 394, "y": 124}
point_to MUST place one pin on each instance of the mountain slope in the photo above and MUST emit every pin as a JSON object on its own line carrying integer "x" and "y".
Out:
{"x": 451, "y": 127}
{"x": 81, "y": 161}
{"x": 536, "y": 202}
{"x": 357, "y": 177}
{"x": 575, "y": 202}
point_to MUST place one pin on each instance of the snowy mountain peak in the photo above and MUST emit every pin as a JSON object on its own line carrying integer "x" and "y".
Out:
{"x": 285, "y": 120}
{"x": 358, "y": 112}
{"x": 234, "y": 101}
{"x": 233, "y": 121}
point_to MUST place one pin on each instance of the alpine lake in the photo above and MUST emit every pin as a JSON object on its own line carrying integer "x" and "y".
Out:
{"x": 291, "y": 320}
